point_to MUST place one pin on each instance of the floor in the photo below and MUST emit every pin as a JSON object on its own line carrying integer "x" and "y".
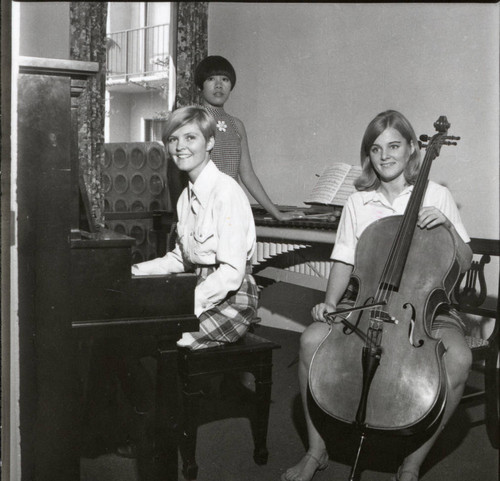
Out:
{"x": 224, "y": 450}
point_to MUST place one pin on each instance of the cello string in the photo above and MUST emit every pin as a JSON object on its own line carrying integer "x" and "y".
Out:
{"x": 404, "y": 236}
{"x": 391, "y": 274}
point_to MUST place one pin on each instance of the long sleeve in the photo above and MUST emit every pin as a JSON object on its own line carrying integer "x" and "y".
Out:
{"x": 171, "y": 263}
{"x": 235, "y": 234}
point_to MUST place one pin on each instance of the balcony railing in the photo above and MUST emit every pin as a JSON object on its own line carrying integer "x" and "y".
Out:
{"x": 138, "y": 53}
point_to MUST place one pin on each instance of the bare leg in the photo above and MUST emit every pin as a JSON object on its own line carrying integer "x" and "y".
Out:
{"x": 316, "y": 457}
{"x": 457, "y": 359}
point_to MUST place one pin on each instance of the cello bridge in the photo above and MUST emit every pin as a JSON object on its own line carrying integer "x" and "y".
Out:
{"x": 382, "y": 316}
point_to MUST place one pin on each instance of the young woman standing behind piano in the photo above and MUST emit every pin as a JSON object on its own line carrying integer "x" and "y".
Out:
{"x": 216, "y": 235}
{"x": 216, "y": 78}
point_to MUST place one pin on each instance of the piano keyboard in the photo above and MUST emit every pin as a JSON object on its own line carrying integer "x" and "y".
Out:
{"x": 293, "y": 257}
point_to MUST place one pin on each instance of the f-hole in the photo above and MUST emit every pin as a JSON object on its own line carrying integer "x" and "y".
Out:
{"x": 411, "y": 328}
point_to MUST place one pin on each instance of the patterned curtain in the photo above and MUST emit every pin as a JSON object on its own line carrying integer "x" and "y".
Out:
{"x": 192, "y": 47}
{"x": 88, "y": 43}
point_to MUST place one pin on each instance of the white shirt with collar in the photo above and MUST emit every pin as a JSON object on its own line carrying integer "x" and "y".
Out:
{"x": 364, "y": 207}
{"x": 215, "y": 228}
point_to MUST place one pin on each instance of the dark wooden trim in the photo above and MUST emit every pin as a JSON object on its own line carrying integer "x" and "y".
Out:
{"x": 485, "y": 246}
{"x": 144, "y": 326}
{"x": 75, "y": 69}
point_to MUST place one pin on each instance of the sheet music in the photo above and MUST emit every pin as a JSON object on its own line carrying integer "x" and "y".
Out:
{"x": 335, "y": 184}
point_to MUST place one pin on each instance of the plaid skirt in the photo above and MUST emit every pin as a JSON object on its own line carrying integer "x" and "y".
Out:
{"x": 228, "y": 321}
{"x": 446, "y": 316}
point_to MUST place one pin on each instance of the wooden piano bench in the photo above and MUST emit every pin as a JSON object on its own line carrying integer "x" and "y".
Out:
{"x": 476, "y": 306}
{"x": 251, "y": 354}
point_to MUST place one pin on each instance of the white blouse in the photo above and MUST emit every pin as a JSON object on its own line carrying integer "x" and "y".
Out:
{"x": 364, "y": 207}
{"x": 215, "y": 229}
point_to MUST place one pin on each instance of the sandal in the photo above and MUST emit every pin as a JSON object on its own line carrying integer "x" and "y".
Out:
{"x": 320, "y": 465}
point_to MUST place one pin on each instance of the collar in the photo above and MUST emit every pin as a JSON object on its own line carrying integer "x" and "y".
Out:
{"x": 215, "y": 109}
{"x": 205, "y": 182}
{"x": 375, "y": 196}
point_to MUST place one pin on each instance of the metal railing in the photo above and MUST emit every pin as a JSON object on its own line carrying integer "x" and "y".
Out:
{"x": 138, "y": 52}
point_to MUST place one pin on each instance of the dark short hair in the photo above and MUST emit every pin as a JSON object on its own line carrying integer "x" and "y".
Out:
{"x": 214, "y": 65}
{"x": 185, "y": 115}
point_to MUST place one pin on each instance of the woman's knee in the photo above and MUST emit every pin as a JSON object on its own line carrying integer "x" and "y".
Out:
{"x": 311, "y": 338}
{"x": 458, "y": 361}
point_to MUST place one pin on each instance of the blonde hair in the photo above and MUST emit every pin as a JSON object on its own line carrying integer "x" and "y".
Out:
{"x": 369, "y": 180}
{"x": 185, "y": 115}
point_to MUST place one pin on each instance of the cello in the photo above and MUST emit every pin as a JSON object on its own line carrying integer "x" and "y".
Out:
{"x": 384, "y": 373}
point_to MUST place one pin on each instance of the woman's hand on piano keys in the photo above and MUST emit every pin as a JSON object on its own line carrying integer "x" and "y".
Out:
{"x": 292, "y": 214}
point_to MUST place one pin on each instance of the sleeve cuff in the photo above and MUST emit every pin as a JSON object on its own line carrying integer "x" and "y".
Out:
{"x": 152, "y": 267}
{"x": 343, "y": 254}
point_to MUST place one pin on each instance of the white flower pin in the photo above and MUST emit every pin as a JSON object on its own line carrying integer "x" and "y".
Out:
{"x": 221, "y": 126}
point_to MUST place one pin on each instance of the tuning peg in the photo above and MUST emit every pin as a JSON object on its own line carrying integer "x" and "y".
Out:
{"x": 421, "y": 142}
{"x": 448, "y": 140}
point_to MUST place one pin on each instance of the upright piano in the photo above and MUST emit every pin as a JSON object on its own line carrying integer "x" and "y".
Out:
{"x": 76, "y": 285}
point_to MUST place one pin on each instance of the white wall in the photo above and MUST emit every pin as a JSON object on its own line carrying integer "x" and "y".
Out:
{"x": 119, "y": 109}
{"x": 44, "y": 29}
{"x": 311, "y": 76}
{"x": 127, "y": 15}
{"x": 144, "y": 106}
{"x": 159, "y": 13}
{"x": 128, "y": 113}
{"x": 123, "y": 16}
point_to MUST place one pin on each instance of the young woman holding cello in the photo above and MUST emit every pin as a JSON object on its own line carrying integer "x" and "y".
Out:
{"x": 391, "y": 161}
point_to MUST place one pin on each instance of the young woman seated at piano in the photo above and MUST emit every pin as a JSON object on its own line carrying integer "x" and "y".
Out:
{"x": 216, "y": 78}
{"x": 216, "y": 235}
{"x": 390, "y": 158}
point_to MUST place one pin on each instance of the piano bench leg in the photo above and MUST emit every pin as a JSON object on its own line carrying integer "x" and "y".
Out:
{"x": 263, "y": 384}
{"x": 251, "y": 354}
{"x": 191, "y": 400}
{"x": 167, "y": 412}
